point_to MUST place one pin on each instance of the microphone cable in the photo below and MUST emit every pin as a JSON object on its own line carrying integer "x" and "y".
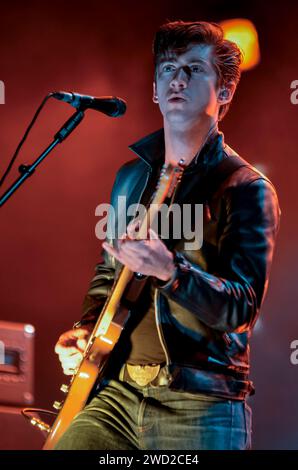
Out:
{"x": 24, "y": 138}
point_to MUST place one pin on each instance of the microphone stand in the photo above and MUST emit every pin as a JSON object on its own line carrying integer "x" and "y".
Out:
{"x": 27, "y": 170}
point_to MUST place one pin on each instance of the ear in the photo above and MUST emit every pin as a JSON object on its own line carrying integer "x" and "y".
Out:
{"x": 154, "y": 97}
{"x": 226, "y": 93}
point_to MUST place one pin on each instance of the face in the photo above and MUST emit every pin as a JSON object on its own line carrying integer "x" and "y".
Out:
{"x": 186, "y": 85}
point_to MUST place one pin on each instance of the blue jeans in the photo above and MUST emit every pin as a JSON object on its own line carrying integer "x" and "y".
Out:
{"x": 126, "y": 417}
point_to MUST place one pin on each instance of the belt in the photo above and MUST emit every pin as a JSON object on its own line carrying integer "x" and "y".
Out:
{"x": 142, "y": 375}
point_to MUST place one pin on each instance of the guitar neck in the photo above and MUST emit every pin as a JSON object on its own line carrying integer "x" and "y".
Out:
{"x": 168, "y": 182}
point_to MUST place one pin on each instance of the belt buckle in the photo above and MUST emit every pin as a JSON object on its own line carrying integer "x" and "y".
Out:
{"x": 143, "y": 374}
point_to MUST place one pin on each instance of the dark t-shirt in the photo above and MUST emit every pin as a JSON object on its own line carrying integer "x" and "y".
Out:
{"x": 145, "y": 344}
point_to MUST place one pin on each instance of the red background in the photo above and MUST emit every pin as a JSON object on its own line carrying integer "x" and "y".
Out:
{"x": 48, "y": 246}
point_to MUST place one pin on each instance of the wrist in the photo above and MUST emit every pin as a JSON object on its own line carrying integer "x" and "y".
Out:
{"x": 170, "y": 269}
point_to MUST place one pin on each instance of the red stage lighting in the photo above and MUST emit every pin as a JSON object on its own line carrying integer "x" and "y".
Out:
{"x": 244, "y": 34}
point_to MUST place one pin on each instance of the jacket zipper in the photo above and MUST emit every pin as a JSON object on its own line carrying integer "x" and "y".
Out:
{"x": 145, "y": 186}
{"x": 159, "y": 329}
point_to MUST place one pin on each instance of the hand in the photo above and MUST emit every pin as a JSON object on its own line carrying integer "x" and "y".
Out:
{"x": 147, "y": 256}
{"x": 70, "y": 348}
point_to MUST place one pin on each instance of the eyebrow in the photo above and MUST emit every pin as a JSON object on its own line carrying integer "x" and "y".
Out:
{"x": 174, "y": 59}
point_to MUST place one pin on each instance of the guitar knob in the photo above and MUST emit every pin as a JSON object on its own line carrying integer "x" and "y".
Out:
{"x": 57, "y": 405}
{"x": 64, "y": 388}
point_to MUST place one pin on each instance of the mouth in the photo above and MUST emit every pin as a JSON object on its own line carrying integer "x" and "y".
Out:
{"x": 176, "y": 99}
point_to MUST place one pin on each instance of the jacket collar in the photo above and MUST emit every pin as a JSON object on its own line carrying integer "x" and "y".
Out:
{"x": 151, "y": 149}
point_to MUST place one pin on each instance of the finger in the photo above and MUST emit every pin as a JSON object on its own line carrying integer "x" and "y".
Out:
{"x": 82, "y": 332}
{"x": 69, "y": 337}
{"x": 71, "y": 364}
{"x": 111, "y": 250}
{"x": 133, "y": 229}
{"x": 60, "y": 349}
{"x": 71, "y": 360}
{"x": 82, "y": 343}
{"x": 152, "y": 234}
{"x": 121, "y": 240}
{"x": 68, "y": 371}
{"x": 135, "y": 249}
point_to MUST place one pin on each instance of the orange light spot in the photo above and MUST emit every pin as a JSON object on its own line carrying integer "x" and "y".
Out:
{"x": 244, "y": 34}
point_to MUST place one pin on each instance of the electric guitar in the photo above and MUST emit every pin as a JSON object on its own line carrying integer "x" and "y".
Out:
{"x": 110, "y": 323}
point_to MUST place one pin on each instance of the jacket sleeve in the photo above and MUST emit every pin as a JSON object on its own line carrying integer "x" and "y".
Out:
{"x": 230, "y": 299}
{"x": 98, "y": 292}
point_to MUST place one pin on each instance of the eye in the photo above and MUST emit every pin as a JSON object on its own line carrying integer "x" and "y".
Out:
{"x": 168, "y": 68}
{"x": 197, "y": 68}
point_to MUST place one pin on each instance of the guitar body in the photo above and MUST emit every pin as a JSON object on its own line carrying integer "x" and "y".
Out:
{"x": 83, "y": 382}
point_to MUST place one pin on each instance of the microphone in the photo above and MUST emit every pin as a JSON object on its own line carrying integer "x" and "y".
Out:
{"x": 109, "y": 105}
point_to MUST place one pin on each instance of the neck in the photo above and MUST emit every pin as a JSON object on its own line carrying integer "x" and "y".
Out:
{"x": 186, "y": 142}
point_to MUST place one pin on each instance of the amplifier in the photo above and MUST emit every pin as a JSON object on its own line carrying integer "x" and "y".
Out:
{"x": 16, "y": 363}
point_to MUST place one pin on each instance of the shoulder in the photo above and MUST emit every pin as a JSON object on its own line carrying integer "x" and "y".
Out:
{"x": 127, "y": 174}
{"x": 246, "y": 174}
{"x": 248, "y": 190}
{"x": 130, "y": 167}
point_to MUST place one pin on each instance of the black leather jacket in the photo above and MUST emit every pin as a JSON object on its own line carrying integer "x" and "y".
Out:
{"x": 206, "y": 312}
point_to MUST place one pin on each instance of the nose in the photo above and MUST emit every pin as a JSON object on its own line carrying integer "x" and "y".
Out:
{"x": 180, "y": 79}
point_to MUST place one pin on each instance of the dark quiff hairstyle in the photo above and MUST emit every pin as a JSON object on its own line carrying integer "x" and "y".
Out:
{"x": 226, "y": 58}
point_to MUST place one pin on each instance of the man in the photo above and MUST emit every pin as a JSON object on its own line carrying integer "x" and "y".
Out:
{"x": 178, "y": 377}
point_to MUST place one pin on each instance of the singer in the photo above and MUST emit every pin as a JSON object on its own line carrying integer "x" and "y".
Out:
{"x": 179, "y": 376}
